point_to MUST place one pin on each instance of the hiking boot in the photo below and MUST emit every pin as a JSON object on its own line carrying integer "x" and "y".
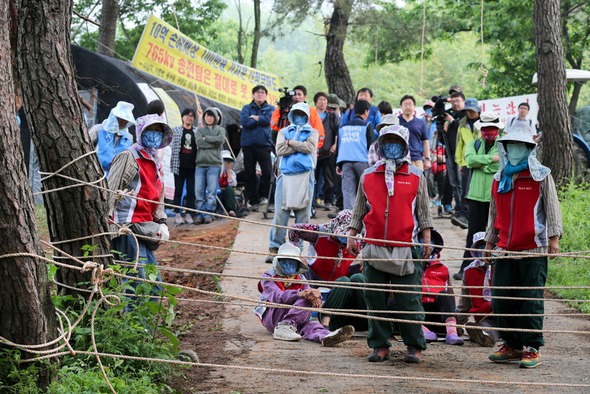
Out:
{"x": 454, "y": 339}
{"x": 460, "y": 220}
{"x": 379, "y": 354}
{"x": 413, "y": 355}
{"x": 178, "y": 220}
{"x": 340, "y": 335}
{"x": 530, "y": 359}
{"x": 188, "y": 219}
{"x": 506, "y": 354}
{"x": 480, "y": 337}
{"x": 286, "y": 332}
{"x": 458, "y": 275}
{"x": 271, "y": 256}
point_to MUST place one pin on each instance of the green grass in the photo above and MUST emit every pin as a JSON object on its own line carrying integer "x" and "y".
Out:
{"x": 568, "y": 271}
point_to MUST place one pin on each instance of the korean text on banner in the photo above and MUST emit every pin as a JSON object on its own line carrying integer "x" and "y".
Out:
{"x": 170, "y": 55}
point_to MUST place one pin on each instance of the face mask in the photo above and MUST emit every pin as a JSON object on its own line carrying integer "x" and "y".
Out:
{"x": 428, "y": 111}
{"x": 517, "y": 153}
{"x": 342, "y": 240}
{"x": 299, "y": 120}
{"x": 289, "y": 266}
{"x": 489, "y": 134}
{"x": 393, "y": 150}
{"x": 152, "y": 139}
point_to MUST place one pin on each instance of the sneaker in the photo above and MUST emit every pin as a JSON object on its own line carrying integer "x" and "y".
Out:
{"x": 255, "y": 207}
{"x": 458, "y": 275}
{"x": 506, "y": 354}
{"x": 454, "y": 339}
{"x": 530, "y": 359}
{"x": 481, "y": 337}
{"x": 286, "y": 332}
{"x": 188, "y": 218}
{"x": 379, "y": 354}
{"x": 340, "y": 335}
{"x": 263, "y": 201}
{"x": 413, "y": 356}
{"x": 291, "y": 214}
{"x": 328, "y": 206}
{"x": 448, "y": 209}
{"x": 178, "y": 219}
{"x": 319, "y": 203}
{"x": 460, "y": 220}
{"x": 332, "y": 215}
{"x": 271, "y": 256}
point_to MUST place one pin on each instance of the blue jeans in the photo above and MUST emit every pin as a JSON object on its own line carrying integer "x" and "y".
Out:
{"x": 281, "y": 217}
{"x": 206, "y": 183}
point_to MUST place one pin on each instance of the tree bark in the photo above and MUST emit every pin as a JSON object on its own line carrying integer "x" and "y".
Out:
{"x": 335, "y": 68}
{"x": 107, "y": 31}
{"x": 240, "y": 33}
{"x": 256, "y": 39}
{"x": 575, "y": 97}
{"x": 59, "y": 133}
{"x": 553, "y": 110}
{"x": 27, "y": 315}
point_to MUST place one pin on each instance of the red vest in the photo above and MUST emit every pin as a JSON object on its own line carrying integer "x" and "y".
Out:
{"x": 520, "y": 218}
{"x": 475, "y": 276}
{"x": 391, "y": 218}
{"x": 436, "y": 274}
{"x": 329, "y": 269}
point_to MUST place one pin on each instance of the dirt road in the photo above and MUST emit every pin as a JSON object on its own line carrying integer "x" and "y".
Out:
{"x": 248, "y": 344}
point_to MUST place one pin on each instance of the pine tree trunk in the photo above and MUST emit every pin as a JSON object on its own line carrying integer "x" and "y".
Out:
{"x": 27, "y": 315}
{"x": 335, "y": 68}
{"x": 256, "y": 39}
{"x": 60, "y": 136}
{"x": 107, "y": 32}
{"x": 553, "y": 109}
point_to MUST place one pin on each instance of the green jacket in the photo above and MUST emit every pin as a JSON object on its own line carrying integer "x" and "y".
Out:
{"x": 483, "y": 167}
{"x": 209, "y": 140}
{"x": 464, "y": 136}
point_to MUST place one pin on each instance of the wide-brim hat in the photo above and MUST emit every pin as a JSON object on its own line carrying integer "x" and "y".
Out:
{"x": 290, "y": 251}
{"x": 144, "y": 122}
{"x": 124, "y": 110}
{"x": 387, "y": 120}
{"x": 487, "y": 119}
{"x": 226, "y": 155}
{"x": 518, "y": 135}
{"x": 478, "y": 241}
{"x": 472, "y": 104}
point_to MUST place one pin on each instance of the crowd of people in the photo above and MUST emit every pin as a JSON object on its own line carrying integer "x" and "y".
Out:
{"x": 381, "y": 174}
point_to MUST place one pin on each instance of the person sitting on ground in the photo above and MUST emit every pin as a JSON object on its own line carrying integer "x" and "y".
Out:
{"x": 477, "y": 282}
{"x": 112, "y": 136}
{"x": 290, "y": 324}
{"x": 227, "y": 182}
{"x": 326, "y": 247}
{"x": 435, "y": 299}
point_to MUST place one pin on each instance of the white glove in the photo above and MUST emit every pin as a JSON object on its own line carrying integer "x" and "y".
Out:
{"x": 163, "y": 232}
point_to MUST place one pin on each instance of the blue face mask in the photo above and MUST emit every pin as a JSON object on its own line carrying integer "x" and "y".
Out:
{"x": 299, "y": 120}
{"x": 428, "y": 111}
{"x": 343, "y": 240}
{"x": 289, "y": 266}
{"x": 152, "y": 139}
{"x": 393, "y": 150}
{"x": 517, "y": 153}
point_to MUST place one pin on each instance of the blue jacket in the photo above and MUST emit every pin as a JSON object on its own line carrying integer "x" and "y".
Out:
{"x": 373, "y": 119}
{"x": 354, "y": 139}
{"x": 106, "y": 149}
{"x": 256, "y": 133}
{"x": 298, "y": 162}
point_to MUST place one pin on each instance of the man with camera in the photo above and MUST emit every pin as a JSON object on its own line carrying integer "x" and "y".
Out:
{"x": 257, "y": 144}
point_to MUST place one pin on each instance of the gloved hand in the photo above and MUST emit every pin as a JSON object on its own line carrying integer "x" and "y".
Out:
{"x": 163, "y": 232}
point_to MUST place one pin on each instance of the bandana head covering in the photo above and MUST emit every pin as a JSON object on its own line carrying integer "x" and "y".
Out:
{"x": 391, "y": 165}
{"x": 340, "y": 224}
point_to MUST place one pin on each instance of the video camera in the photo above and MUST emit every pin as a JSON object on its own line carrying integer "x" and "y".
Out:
{"x": 439, "y": 111}
{"x": 286, "y": 101}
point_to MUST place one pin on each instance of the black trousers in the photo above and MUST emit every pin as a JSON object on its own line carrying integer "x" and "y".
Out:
{"x": 478, "y": 221}
{"x": 185, "y": 175}
{"x": 260, "y": 155}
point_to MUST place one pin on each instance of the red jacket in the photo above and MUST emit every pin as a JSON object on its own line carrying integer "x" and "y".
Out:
{"x": 520, "y": 221}
{"x": 391, "y": 218}
{"x": 436, "y": 274}
{"x": 474, "y": 276}
{"x": 330, "y": 269}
